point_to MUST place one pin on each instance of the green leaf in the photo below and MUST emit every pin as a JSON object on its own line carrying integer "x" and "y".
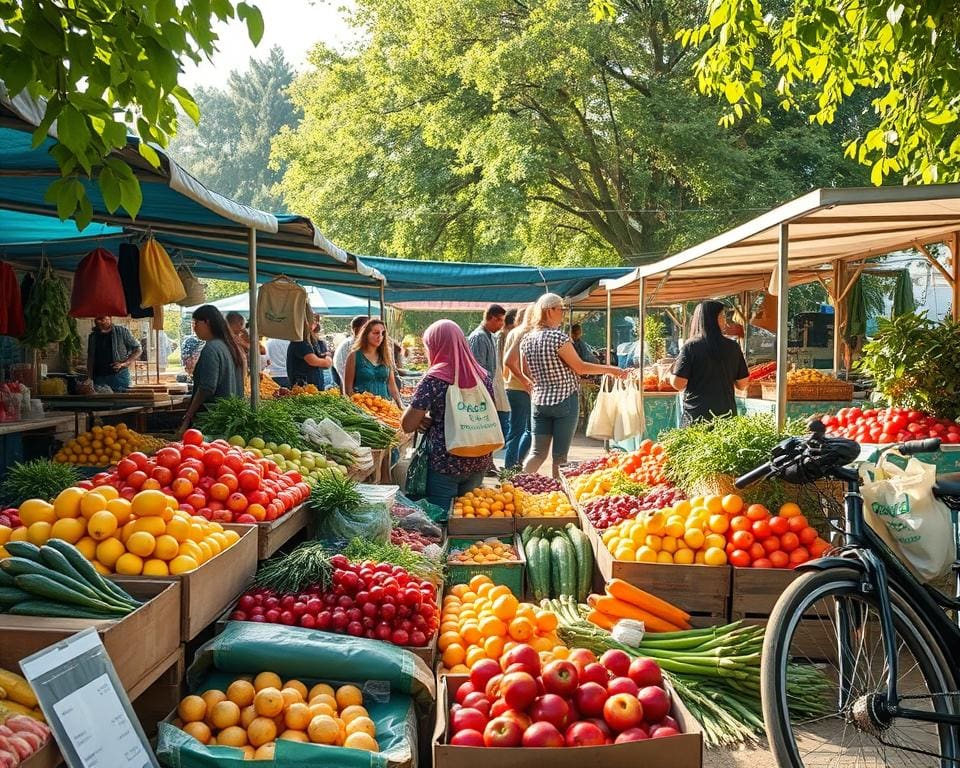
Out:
{"x": 84, "y": 212}
{"x": 186, "y": 102}
{"x": 876, "y": 173}
{"x": 131, "y": 196}
{"x": 42, "y": 34}
{"x": 72, "y": 130}
{"x": 110, "y": 189}
{"x": 943, "y": 118}
{"x": 254, "y": 19}
{"x": 150, "y": 154}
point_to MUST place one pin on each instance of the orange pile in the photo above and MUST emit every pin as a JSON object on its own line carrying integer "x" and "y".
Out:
{"x": 486, "y": 502}
{"x": 254, "y": 713}
{"x": 481, "y": 620}
{"x": 105, "y": 445}
{"x": 485, "y": 553}
{"x": 646, "y": 464}
{"x": 384, "y": 410}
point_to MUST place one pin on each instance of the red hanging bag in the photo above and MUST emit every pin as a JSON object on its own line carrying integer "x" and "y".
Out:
{"x": 97, "y": 288}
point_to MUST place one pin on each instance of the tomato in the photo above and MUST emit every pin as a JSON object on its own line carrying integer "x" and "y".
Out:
{"x": 219, "y": 491}
{"x": 189, "y": 473}
{"x": 739, "y": 558}
{"x": 761, "y": 530}
{"x": 234, "y": 462}
{"x": 136, "y": 479}
{"x": 213, "y": 457}
{"x": 789, "y": 541}
{"x": 742, "y": 539}
{"x": 195, "y": 464}
{"x": 228, "y": 479}
{"x": 162, "y": 475}
{"x": 126, "y": 467}
{"x": 194, "y": 452}
{"x": 808, "y": 536}
{"x": 779, "y": 559}
{"x": 181, "y": 488}
{"x": 740, "y": 523}
{"x": 798, "y": 556}
{"x": 797, "y": 523}
{"x": 192, "y": 437}
{"x": 763, "y": 562}
{"x": 779, "y": 525}
{"x": 151, "y": 484}
{"x": 771, "y": 544}
{"x": 249, "y": 480}
{"x": 168, "y": 457}
{"x": 757, "y": 551}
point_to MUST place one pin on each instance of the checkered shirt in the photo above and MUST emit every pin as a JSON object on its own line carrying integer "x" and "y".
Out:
{"x": 553, "y": 381}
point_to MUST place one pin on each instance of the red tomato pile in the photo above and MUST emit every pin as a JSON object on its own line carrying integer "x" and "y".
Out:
{"x": 757, "y": 539}
{"x": 890, "y": 425}
{"x": 573, "y": 702}
{"x": 215, "y": 480}
{"x": 374, "y": 600}
{"x": 646, "y": 464}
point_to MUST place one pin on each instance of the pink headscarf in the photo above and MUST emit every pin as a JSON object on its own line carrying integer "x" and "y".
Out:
{"x": 448, "y": 350}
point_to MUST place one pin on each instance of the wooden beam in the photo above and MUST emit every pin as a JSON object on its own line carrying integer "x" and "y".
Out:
{"x": 848, "y": 286}
{"x": 940, "y": 268}
{"x": 955, "y": 269}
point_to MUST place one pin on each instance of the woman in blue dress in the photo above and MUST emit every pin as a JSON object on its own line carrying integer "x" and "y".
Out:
{"x": 370, "y": 367}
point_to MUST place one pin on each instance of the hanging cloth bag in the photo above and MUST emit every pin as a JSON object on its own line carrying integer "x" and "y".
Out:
{"x": 129, "y": 266}
{"x": 282, "y": 308}
{"x": 604, "y": 413}
{"x": 159, "y": 282}
{"x": 11, "y": 309}
{"x": 196, "y": 292}
{"x": 629, "y": 421}
{"x": 97, "y": 288}
{"x": 471, "y": 424}
{"x": 900, "y": 507}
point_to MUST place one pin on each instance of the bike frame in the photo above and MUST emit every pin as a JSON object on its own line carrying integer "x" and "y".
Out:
{"x": 882, "y": 570}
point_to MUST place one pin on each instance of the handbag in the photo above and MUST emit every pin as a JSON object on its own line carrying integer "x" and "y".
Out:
{"x": 416, "y": 481}
{"x": 471, "y": 424}
{"x": 600, "y": 423}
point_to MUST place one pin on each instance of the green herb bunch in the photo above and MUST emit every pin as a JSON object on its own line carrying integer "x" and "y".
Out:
{"x": 234, "y": 416}
{"x": 38, "y": 479}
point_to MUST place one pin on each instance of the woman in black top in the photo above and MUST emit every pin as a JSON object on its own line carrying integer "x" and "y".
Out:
{"x": 708, "y": 367}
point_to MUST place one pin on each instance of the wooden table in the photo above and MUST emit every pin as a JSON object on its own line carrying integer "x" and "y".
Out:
{"x": 11, "y": 432}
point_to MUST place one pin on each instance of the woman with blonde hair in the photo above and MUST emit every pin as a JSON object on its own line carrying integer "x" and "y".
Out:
{"x": 370, "y": 366}
{"x": 518, "y": 437}
{"x": 553, "y": 367}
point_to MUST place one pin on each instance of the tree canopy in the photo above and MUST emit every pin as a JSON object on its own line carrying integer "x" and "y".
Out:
{"x": 229, "y": 148}
{"x": 819, "y": 54}
{"x": 501, "y": 130}
{"x": 106, "y": 67}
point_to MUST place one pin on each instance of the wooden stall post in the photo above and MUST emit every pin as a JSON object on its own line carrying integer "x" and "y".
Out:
{"x": 642, "y": 324}
{"x": 383, "y": 305}
{"x": 609, "y": 326}
{"x": 783, "y": 289}
{"x": 955, "y": 271}
{"x": 254, "y": 335}
{"x": 837, "y": 316}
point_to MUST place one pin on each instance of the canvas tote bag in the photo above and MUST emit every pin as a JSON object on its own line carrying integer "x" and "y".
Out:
{"x": 604, "y": 413}
{"x": 629, "y": 420}
{"x": 471, "y": 425}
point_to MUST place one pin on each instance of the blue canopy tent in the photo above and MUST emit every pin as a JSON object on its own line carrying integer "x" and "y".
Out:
{"x": 322, "y": 300}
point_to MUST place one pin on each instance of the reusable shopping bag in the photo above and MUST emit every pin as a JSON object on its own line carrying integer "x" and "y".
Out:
{"x": 416, "y": 485}
{"x": 900, "y": 507}
{"x": 196, "y": 293}
{"x": 471, "y": 424}
{"x": 629, "y": 416}
{"x": 97, "y": 288}
{"x": 600, "y": 423}
{"x": 282, "y": 309}
{"x": 11, "y": 308}
{"x": 159, "y": 282}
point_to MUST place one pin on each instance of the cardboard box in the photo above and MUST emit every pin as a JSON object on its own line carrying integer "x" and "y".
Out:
{"x": 215, "y": 584}
{"x": 48, "y": 757}
{"x": 274, "y": 534}
{"x": 683, "y": 751}
{"x": 137, "y": 643}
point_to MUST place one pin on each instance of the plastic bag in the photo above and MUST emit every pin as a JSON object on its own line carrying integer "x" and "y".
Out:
{"x": 435, "y": 513}
{"x": 371, "y": 522}
{"x": 97, "y": 289}
{"x": 159, "y": 282}
{"x": 900, "y": 507}
{"x": 604, "y": 413}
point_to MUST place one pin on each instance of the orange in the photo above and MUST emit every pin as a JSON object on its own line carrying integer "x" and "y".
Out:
{"x": 491, "y": 626}
{"x": 521, "y": 629}
{"x": 361, "y": 741}
{"x": 212, "y": 698}
{"x": 39, "y": 532}
{"x": 182, "y": 564}
{"x": 67, "y": 503}
{"x": 69, "y": 529}
{"x": 199, "y": 731}
{"x": 719, "y": 523}
{"x": 348, "y": 695}
{"x": 141, "y": 543}
{"x": 91, "y": 503}
{"x": 155, "y": 567}
{"x": 247, "y": 715}
{"x": 731, "y": 504}
{"x": 102, "y": 525}
{"x": 268, "y": 702}
{"x": 297, "y": 716}
{"x": 787, "y": 510}
{"x": 362, "y": 725}
{"x": 120, "y": 509}
{"x": 321, "y": 709}
{"x": 715, "y": 556}
{"x": 150, "y": 503}
{"x": 445, "y": 640}
{"x": 493, "y": 647}
{"x": 265, "y": 751}
{"x": 233, "y": 736}
{"x": 107, "y": 491}
{"x": 292, "y": 734}
{"x": 300, "y": 687}
{"x": 261, "y": 731}
{"x": 714, "y": 504}
{"x": 505, "y": 607}
{"x": 325, "y": 698}
{"x": 470, "y": 632}
{"x": 152, "y": 525}
{"x": 291, "y": 696}
{"x": 88, "y": 547}
{"x": 324, "y": 730}
{"x": 225, "y": 714}
{"x": 241, "y": 693}
{"x": 455, "y": 654}
{"x": 167, "y": 547}
{"x": 474, "y": 654}
{"x": 353, "y": 711}
{"x": 178, "y": 528}
{"x": 192, "y": 709}
{"x": 128, "y": 565}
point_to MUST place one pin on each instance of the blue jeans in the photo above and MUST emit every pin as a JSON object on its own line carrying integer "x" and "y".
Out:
{"x": 518, "y": 435}
{"x": 553, "y": 424}
{"x": 442, "y": 489}
{"x": 118, "y": 382}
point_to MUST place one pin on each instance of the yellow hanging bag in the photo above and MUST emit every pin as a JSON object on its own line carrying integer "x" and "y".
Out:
{"x": 159, "y": 282}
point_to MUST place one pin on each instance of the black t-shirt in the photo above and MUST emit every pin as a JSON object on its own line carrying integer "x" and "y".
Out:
{"x": 103, "y": 355}
{"x": 298, "y": 370}
{"x": 710, "y": 378}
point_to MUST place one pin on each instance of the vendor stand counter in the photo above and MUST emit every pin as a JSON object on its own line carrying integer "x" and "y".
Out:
{"x": 140, "y": 404}
{"x": 796, "y": 409}
{"x": 11, "y": 434}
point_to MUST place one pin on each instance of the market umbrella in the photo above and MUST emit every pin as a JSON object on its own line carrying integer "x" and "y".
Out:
{"x": 903, "y": 301}
{"x": 856, "y": 312}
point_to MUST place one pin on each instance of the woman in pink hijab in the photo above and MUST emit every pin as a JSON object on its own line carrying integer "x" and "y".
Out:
{"x": 449, "y": 356}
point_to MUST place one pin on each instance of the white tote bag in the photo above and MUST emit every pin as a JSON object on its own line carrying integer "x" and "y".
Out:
{"x": 900, "y": 507}
{"x": 471, "y": 425}
{"x": 629, "y": 422}
{"x": 603, "y": 415}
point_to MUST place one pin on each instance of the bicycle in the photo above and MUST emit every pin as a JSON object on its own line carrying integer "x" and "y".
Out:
{"x": 891, "y": 662}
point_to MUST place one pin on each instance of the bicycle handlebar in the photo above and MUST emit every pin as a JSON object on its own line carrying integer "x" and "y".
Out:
{"x": 928, "y": 445}
{"x": 753, "y": 476}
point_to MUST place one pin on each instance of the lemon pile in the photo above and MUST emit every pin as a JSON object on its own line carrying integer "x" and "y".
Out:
{"x": 106, "y": 445}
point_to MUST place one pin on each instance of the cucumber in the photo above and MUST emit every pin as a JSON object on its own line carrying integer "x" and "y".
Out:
{"x": 18, "y": 566}
{"x": 89, "y": 573}
{"x": 557, "y": 577}
{"x": 50, "y": 588}
{"x": 23, "y": 549}
{"x": 55, "y": 560}
{"x": 60, "y": 610}
{"x": 6, "y": 580}
{"x": 584, "y": 555}
{"x": 10, "y": 596}
{"x": 562, "y": 553}
{"x": 543, "y": 560}
{"x": 525, "y": 536}
{"x": 532, "y": 552}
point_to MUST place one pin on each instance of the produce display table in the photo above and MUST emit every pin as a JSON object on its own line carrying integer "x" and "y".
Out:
{"x": 273, "y": 535}
{"x": 796, "y": 409}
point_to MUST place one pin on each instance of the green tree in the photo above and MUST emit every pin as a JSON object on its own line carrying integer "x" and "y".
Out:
{"x": 238, "y": 122}
{"x": 819, "y": 54}
{"x": 106, "y": 67}
{"x": 505, "y": 131}
{"x": 222, "y": 289}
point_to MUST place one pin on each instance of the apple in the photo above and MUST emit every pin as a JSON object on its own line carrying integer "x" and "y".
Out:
{"x": 502, "y": 732}
{"x": 467, "y": 719}
{"x": 622, "y": 685}
{"x": 468, "y": 739}
{"x": 520, "y": 718}
{"x": 655, "y": 702}
{"x": 498, "y": 708}
{"x": 602, "y": 725}
{"x": 478, "y": 701}
{"x": 463, "y": 691}
{"x": 670, "y": 722}
{"x": 622, "y": 711}
{"x": 590, "y": 698}
{"x": 584, "y": 734}
{"x": 632, "y": 734}
{"x": 560, "y": 677}
{"x": 492, "y": 689}
{"x": 542, "y": 734}
{"x": 663, "y": 731}
{"x": 616, "y": 661}
{"x": 552, "y": 709}
{"x": 645, "y": 672}
{"x": 580, "y": 657}
{"x": 522, "y": 654}
{"x": 518, "y": 689}
{"x": 481, "y": 672}
{"x": 594, "y": 673}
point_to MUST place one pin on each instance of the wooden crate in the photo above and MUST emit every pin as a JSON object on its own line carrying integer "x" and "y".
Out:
{"x": 274, "y": 534}
{"x": 509, "y": 574}
{"x": 215, "y": 584}
{"x": 479, "y": 526}
{"x": 48, "y": 757}
{"x": 136, "y": 643}
{"x": 163, "y": 694}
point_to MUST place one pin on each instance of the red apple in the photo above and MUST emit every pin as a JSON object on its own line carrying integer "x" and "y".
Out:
{"x": 478, "y": 701}
{"x": 520, "y": 718}
{"x": 560, "y": 677}
{"x": 616, "y": 661}
{"x": 584, "y": 734}
{"x": 645, "y": 672}
{"x": 622, "y": 685}
{"x": 590, "y": 698}
{"x": 542, "y": 735}
{"x": 602, "y": 725}
{"x": 655, "y": 702}
{"x": 670, "y": 722}
{"x": 492, "y": 689}
{"x": 482, "y": 671}
{"x": 622, "y": 711}
{"x": 594, "y": 673}
{"x": 467, "y": 719}
{"x": 498, "y": 708}
{"x": 663, "y": 731}
{"x": 522, "y": 654}
{"x": 463, "y": 691}
{"x": 502, "y": 732}
{"x": 518, "y": 689}
{"x": 581, "y": 657}
{"x": 552, "y": 709}
{"x": 632, "y": 734}
{"x": 468, "y": 739}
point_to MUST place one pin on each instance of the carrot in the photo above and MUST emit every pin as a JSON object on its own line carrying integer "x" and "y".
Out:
{"x": 592, "y": 600}
{"x": 622, "y": 610}
{"x": 621, "y": 590}
{"x": 601, "y": 620}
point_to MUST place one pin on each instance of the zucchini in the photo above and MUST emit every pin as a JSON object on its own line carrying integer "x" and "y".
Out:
{"x": 59, "y": 610}
{"x": 557, "y": 578}
{"x": 89, "y": 573}
{"x": 57, "y": 562}
{"x": 6, "y": 580}
{"x": 525, "y": 535}
{"x": 562, "y": 552}
{"x": 50, "y": 588}
{"x": 532, "y": 552}
{"x": 584, "y": 555}
{"x": 11, "y": 596}
{"x": 543, "y": 560}
{"x": 23, "y": 549}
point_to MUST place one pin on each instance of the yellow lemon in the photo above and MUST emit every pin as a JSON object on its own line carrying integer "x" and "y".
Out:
{"x": 167, "y": 547}
{"x": 67, "y": 503}
{"x": 37, "y": 511}
{"x": 69, "y": 529}
{"x": 91, "y": 503}
{"x": 155, "y": 567}
{"x": 39, "y": 533}
{"x": 109, "y": 551}
{"x": 87, "y": 546}
{"x": 182, "y": 564}
{"x": 129, "y": 565}
{"x": 141, "y": 544}
{"x": 102, "y": 525}
{"x": 155, "y": 526}
{"x": 108, "y": 492}
{"x": 120, "y": 509}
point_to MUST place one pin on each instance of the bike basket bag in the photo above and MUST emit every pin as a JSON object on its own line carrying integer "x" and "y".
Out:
{"x": 900, "y": 507}
{"x": 97, "y": 288}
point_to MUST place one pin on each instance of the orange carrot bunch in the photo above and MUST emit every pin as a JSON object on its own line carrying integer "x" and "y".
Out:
{"x": 625, "y": 601}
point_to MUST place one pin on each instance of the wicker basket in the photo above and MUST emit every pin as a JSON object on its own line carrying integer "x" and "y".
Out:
{"x": 715, "y": 485}
{"x": 824, "y": 390}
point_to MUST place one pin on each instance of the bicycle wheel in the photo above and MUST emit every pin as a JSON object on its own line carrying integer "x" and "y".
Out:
{"x": 829, "y": 606}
